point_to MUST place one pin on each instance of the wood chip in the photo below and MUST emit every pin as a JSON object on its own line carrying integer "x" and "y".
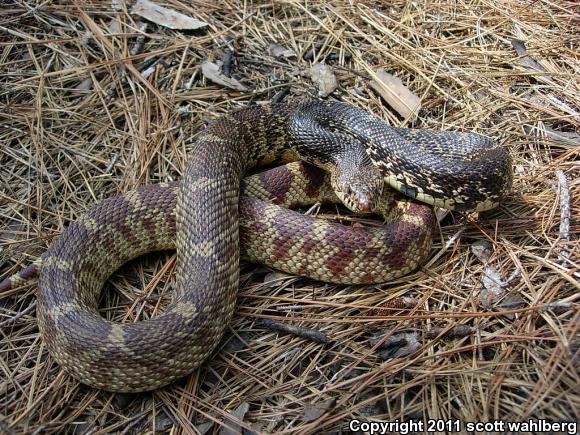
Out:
{"x": 396, "y": 94}
{"x": 322, "y": 75}
{"x": 166, "y": 17}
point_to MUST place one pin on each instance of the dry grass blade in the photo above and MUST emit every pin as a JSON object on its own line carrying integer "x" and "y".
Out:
{"x": 95, "y": 101}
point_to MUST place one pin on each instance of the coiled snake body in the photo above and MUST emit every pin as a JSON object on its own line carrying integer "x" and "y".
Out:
{"x": 455, "y": 170}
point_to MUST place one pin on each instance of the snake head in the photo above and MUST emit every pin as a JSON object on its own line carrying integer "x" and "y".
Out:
{"x": 359, "y": 186}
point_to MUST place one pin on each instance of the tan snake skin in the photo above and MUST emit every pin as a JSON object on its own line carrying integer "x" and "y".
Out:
{"x": 148, "y": 354}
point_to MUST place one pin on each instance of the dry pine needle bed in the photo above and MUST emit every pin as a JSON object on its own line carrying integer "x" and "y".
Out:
{"x": 101, "y": 97}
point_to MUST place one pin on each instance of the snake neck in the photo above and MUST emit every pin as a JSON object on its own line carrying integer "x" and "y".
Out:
{"x": 453, "y": 170}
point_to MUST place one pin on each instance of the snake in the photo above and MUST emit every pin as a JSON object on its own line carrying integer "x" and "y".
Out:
{"x": 204, "y": 218}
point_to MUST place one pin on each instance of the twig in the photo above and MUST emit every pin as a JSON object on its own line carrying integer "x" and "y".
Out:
{"x": 11, "y": 320}
{"x": 458, "y": 331}
{"x": 310, "y": 334}
{"x": 564, "y": 232}
{"x": 442, "y": 251}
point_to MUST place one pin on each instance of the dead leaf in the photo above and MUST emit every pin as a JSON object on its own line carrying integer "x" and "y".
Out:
{"x": 520, "y": 48}
{"x": 482, "y": 249}
{"x": 396, "y": 94}
{"x": 234, "y": 428}
{"x": 513, "y": 300}
{"x": 325, "y": 79}
{"x": 212, "y": 72}
{"x": 278, "y": 50}
{"x": 493, "y": 290}
{"x": 163, "y": 422}
{"x": 274, "y": 279}
{"x": 397, "y": 344}
{"x": 235, "y": 343}
{"x": 204, "y": 428}
{"x": 564, "y": 137}
{"x": 441, "y": 213}
{"x": 166, "y": 17}
{"x": 313, "y": 412}
{"x": 85, "y": 85}
{"x": 458, "y": 331}
{"x": 115, "y": 26}
{"x": 117, "y": 5}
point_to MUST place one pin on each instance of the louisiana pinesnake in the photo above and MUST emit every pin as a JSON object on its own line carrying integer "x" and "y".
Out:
{"x": 461, "y": 171}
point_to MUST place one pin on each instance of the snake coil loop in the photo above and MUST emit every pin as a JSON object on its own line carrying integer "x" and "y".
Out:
{"x": 200, "y": 219}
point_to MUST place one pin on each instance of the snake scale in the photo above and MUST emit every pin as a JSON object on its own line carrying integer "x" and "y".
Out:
{"x": 200, "y": 218}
